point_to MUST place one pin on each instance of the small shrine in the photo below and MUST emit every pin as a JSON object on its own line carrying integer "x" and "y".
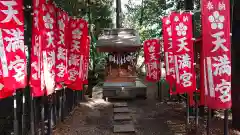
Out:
{"x": 122, "y": 46}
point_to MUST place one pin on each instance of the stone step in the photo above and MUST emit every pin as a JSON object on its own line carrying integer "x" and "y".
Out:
{"x": 126, "y": 128}
{"x": 123, "y": 104}
{"x": 121, "y": 110}
{"x": 121, "y": 116}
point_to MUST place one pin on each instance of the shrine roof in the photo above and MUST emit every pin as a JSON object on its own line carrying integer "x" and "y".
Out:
{"x": 121, "y": 39}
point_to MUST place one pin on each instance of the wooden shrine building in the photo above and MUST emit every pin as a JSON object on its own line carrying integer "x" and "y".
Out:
{"x": 122, "y": 46}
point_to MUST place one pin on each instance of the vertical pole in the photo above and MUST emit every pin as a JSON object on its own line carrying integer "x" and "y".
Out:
{"x": 42, "y": 115}
{"x": 60, "y": 105}
{"x": 64, "y": 103}
{"x": 32, "y": 115}
{"x": 226, "y": 122}
{"x": 161, "y": 89}
{"x": 49, "y": 115}
{"x": 209, "y": 120}
{"x": 23, "y": 114}
{"x": 158, "y": 91}
{"x": 196, "y": 113}
{"x": 83, "y": 93}
{"x": 55, "y": 107}
{"x": 35, "y": 116}
{"x": 73, "y": 99}
{"x": 15, "y": 122}
{"x": 187, "y": 113}
{"x": 77, "y": 97}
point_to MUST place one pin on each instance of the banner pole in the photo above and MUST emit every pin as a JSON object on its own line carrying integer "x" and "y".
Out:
{"x": 42, "y": 115}
{"x": 209, "y": 120}
{"x": 77, "y": 97}
{"x": 187, "y": 112}
{"x": 63, "y": 103}
{"x": 73, "y": 99}
{"x": 83, "y": 92}
{"x": 60, "y": 105}
{"x": 15, "y": 123}
{"x": 226, "y": 122}
{"x": 23, "y": 113}
{"x": 197, "y": 112}
{"x": 162, "y": 89}
{"x": 49, "y": 115}
{"x": 158, "y": 87}
{"x": 55, "y": 108}
{"x": 32, "y": 115}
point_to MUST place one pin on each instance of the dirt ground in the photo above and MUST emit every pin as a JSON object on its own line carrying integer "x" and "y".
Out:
{"x": 150, "y": 117}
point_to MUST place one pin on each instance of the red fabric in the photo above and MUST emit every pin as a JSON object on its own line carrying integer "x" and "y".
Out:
{"x": 183, "y": 52}
{"x": 61, "y": 54}
{"x": 4, "y": 93}
{"x": 13, "y": 55}
{"x": 168, "y": 50}
{"x": 17, "y": 19}
{"x": 35, "y": 79}
{"x": 78, "y": 32}
{"x": 84, "y": 51}
{"x": 49, "y": 46}
{"x": 86, "y": 61}
{"x": 217, "y": 52}
{"x": 152, "y": 59}
{"x": 152, "y": 50}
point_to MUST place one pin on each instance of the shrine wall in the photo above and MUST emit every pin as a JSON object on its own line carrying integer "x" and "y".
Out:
{"x": 121, "y": 68}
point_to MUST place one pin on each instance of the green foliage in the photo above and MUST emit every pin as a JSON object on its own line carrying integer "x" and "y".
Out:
{"x": 146, "y": 18}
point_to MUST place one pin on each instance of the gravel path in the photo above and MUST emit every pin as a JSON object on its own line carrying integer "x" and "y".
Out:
{"x": 150, "y": 117}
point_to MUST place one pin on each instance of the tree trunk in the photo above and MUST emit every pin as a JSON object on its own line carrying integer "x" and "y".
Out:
{"x": 118, "y": 13}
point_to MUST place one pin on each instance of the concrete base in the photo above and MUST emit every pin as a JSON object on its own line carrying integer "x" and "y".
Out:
{"x": 122, "y": 117}
{"x": 121, "y": 110}
{"x": 123, "y": 104}
{"x": 126, "y": 128}
{"x": 124, "y": 90}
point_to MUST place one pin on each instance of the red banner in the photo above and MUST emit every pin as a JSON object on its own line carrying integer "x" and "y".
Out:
{"x": 4, "y": 93}
{"x": 11, "y": 14}
{"x": 86, "y": 61}
{"x": 217, "y": 47}
{"x": 152, "y": 59}
{"x": 61, "y": 55}
{"x": 12, "y": 49}
{"x": 183, "y": 52}
{"x": 78, "y": 29}
{"x": 49, "y": 46}
{"x": 84, "y": 51}
{"x": 168, "y": 52}
{"x": 35, "y": 79}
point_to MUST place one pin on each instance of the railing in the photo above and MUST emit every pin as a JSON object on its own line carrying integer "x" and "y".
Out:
{"x": 47, "y": 110}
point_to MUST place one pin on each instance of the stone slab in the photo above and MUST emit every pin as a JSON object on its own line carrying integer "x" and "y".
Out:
{"x": 123, "y": 104}
{"x": 126, "y": 128}
{"x": 122, "y": 116}
{"x": 121, "y": 110}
